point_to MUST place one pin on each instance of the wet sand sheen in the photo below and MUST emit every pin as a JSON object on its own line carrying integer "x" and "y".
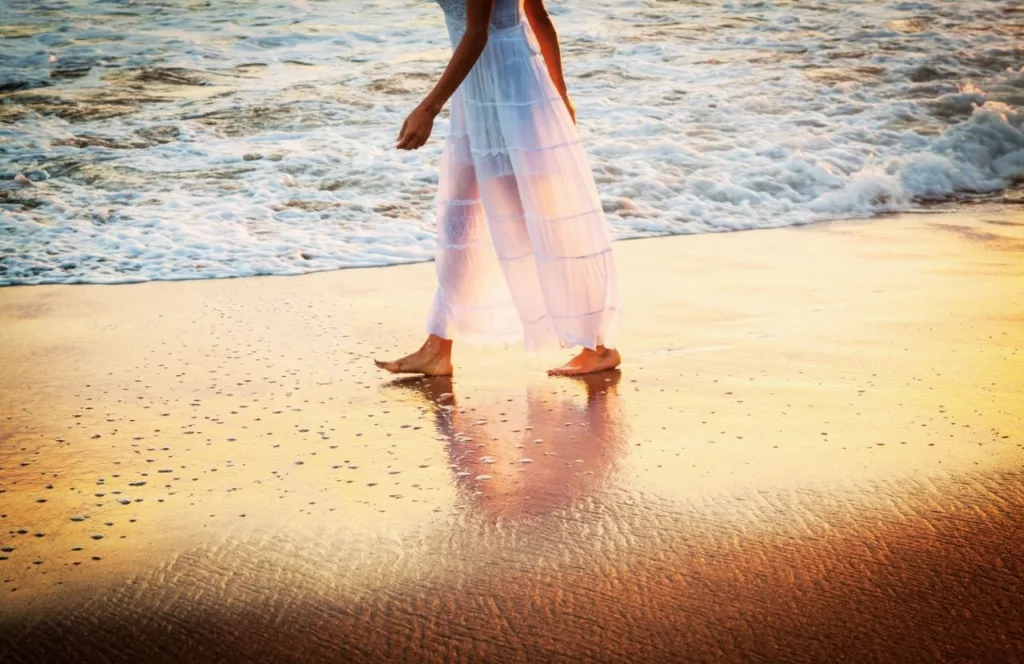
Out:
{"x": 813, "y": 448}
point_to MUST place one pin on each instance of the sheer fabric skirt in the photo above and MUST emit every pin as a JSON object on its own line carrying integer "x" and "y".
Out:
{"x": 523, "y": 247}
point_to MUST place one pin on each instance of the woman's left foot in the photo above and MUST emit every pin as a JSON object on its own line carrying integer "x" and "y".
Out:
{"x": 589, "y": 361}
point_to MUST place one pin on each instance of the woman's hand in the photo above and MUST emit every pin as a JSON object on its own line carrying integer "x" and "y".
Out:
{"x": 416, "y": 128}
{"x": 569, "y": 106}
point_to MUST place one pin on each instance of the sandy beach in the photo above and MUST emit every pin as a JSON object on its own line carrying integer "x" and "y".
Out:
{"x": 813, "y": 452}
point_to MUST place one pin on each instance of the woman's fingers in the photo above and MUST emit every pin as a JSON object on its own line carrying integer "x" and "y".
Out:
{"x": 415, "y": 131}
{"x": 404, "y": 138}
{"x": 407, "y": 142}
{"x": 569, "y": 107}
{"x": 401, "y": 133}
{"x": 412, "y": 140}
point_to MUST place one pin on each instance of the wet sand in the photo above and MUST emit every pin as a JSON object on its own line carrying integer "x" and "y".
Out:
{"x": 813, "y": 452}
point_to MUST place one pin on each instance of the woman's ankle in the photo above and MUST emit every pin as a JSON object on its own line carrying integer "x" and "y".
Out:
{"x": 438, "y": 344}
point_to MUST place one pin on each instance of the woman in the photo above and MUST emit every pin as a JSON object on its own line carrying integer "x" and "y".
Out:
{"x": 523, "y": 248}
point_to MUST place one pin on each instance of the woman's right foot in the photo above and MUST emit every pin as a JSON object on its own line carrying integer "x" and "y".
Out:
{"x": 434, "y": 358}
{"x": 588, "y": 362}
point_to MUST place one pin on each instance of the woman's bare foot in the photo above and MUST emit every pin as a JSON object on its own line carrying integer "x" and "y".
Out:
{"x": 589, "y": 361}
{"x": 434, "y": 358}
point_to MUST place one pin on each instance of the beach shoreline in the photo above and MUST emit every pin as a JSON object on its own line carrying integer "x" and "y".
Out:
{"x": 813, "y": 449}
{"x": 953, "y": 208}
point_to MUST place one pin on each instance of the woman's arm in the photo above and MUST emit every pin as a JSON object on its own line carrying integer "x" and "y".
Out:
{"x": 416, "y": 128}
{"x": 544, "y": 29}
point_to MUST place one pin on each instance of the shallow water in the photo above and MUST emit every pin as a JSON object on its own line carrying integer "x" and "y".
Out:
{"x": 174, "y": 140}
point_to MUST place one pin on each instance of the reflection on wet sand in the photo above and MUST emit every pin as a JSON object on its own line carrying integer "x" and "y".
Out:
{"x": 777, "y": 476}
{"x": 521, "y": 458}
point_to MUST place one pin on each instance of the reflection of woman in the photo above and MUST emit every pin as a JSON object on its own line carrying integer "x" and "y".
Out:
{"x": 523, "y": 247}
{"x": 528, "y": 463}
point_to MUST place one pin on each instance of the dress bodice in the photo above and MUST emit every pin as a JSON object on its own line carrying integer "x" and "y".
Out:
{"x": 506, "y": 14}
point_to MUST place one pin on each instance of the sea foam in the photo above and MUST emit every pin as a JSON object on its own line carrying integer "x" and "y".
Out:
{"x": 163, "y": 142}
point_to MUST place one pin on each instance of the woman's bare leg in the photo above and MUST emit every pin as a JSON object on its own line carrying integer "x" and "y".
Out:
{"x": 434, "y": 358}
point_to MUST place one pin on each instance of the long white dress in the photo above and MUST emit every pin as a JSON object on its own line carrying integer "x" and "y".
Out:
{"x": 523, "y": 246}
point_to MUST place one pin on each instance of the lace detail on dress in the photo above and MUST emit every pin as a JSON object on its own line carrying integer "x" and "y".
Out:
{"x": 504, "y": 15}
{"x": 454, "y": 10}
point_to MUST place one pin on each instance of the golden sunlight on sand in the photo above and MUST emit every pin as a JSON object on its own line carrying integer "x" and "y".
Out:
{"x": 814, "y": 445}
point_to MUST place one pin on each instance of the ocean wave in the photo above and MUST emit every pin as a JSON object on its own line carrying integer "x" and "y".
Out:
{"x": 169, "y": 141}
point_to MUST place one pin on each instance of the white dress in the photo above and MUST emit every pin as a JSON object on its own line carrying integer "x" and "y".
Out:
{"x": 523, "y": 247}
